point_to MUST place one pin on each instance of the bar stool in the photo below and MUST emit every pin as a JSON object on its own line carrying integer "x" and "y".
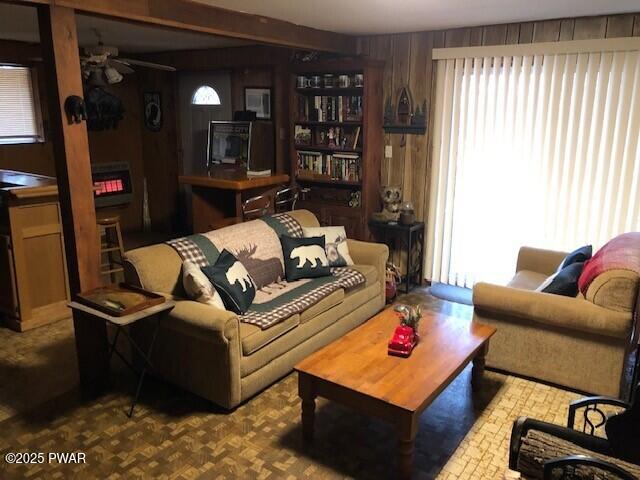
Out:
{"x": 111, "y": 247}
{"x": 286, "y": 199}
{"x": 255, "y": 207}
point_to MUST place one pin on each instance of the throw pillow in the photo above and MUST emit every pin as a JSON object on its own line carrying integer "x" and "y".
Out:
{"x": 564, "y": 282}
{"x": 304, "y": 257}
{"x": 233, "y": 282}
{"x": 198, "y": 287}
{"x": 335, "y": 245}
{"x": 581, "y": 254}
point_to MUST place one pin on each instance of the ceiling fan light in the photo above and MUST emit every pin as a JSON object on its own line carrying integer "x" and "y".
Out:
{"x": 113, "y": 76}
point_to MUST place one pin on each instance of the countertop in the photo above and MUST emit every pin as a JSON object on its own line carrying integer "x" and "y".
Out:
{"x": 26, "y": 185}
{"x": 231, "y": 179}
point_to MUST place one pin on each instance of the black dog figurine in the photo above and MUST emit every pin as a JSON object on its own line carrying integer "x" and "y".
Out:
{"x": 75, "y": 108}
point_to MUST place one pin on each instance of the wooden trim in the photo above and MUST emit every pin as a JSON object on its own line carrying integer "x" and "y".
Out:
{"x": 544, "y": 48}
{"x": 198, "y": 17}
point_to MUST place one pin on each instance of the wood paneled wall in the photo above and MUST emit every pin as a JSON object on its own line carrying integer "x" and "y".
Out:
{"x": 122, "y": 144}
{"x": 408, "y": 60}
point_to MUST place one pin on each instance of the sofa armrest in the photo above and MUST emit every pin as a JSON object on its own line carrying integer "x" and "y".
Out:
{"x": 369, "y": 253}
{"x": 549, "y": 309}
{"x": 204, "y": 321}
{"x": 539, "y": 260}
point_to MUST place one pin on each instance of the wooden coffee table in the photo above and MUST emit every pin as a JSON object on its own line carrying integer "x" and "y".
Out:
{"x": 356, "y": 371}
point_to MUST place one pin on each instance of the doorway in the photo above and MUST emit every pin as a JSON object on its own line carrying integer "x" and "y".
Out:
{"x": 203, "y": 96}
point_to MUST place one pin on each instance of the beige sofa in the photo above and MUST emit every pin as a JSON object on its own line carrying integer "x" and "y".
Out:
{"x": 211, "y": 353}
{"x": 582, "y": 343}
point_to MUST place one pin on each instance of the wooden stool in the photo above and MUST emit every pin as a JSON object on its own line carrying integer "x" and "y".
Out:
{"x": 110, "y": 239}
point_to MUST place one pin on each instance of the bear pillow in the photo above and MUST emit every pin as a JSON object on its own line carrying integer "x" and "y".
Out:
{"x": 304, "y": 257}
{"x": 335, "y": 244}
{"x": 233, "y": 282}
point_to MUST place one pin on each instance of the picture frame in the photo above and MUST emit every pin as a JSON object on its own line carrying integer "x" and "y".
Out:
{"x": 152, "y": 110}
{"x": 258, "y": 99}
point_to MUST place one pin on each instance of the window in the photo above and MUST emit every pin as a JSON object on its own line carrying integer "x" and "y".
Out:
{"x": 539, "y": 150}
{"x": 20, "y": 120}
{"x": 205, "y": 95}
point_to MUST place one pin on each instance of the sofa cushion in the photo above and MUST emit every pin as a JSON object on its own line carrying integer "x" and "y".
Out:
{"x": 232, "y": 281}
{"x": 198, "y": 287}
{"x": 304, "y": 257}
{"x": 564, "y": 282}
{"x": 581, "y": 254}
{"x": 295, "y": 336}
{"x": 322, "y": 306}
{"x": 335, "y": 244}
{"x": 527, "y": 280}
{"x": 254, "y": 338}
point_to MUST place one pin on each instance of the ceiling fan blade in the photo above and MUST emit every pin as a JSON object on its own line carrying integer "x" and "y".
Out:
{"x": 121, "y": 67}
{"x": 142, "y": 63}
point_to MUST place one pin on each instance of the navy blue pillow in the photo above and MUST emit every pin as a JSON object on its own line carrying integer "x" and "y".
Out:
{"x": 581, "y": 254}
{"x": 232, "y": 281}
{"x": 304, "y": 257}
{"x": 565, "y": 282}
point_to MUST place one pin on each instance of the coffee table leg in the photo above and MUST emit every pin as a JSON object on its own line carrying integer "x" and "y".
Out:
{"x": 407, "y": 430}
{"x": 308, "y": 396}
{"x": 477, "y": 371}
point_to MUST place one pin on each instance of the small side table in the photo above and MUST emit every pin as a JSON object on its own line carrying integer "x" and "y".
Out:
{"x": 122, "y": 324}
{"x": 411, "y": 239}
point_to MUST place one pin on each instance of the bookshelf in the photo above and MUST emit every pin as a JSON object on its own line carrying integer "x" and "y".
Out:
{"x": 336, "y": 140}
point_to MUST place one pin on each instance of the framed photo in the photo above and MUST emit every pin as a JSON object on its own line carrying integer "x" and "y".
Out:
{"x": 258, "y": 99}
{"x": 152, "y": 111}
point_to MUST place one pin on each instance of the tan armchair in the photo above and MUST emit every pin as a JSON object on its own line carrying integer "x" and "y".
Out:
{"x": 583, "y": 343}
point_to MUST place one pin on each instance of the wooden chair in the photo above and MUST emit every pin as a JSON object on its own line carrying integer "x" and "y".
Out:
{"x": 286, "y": 198}
{"x": 616, "y": 453}
{"x": 111, "y": 247}
{"x": 255, "y": 207}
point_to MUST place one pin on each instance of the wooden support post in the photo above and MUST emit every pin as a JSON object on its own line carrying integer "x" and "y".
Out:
{"x": 73, "y": 170}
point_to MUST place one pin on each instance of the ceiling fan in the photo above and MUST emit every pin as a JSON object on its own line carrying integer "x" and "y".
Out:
{"x": 101, "y": 62}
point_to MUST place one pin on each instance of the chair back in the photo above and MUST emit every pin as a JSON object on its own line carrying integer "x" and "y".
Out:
{"x": 255, "y": 207}
{"x": 286, "y": 199}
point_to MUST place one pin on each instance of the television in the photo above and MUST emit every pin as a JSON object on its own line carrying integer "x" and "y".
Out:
{"x": 247, "y": 145}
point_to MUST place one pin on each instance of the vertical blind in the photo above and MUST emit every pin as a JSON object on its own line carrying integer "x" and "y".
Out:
{"x": 538, "y": 150}
{"x": 19, "y": 112}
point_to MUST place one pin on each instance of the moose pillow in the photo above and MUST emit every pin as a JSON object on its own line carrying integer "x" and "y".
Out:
{"x": 232, "y": 281}
{"x": 335, "y": 245}
{"x": 304, "y": 257}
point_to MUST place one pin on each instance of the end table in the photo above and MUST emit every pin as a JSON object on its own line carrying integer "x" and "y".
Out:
{"x": 122, "y": 323}
{"x": 411, "y": 238}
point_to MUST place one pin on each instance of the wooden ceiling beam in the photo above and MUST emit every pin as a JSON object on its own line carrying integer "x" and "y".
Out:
{"x": 198, "y": 17}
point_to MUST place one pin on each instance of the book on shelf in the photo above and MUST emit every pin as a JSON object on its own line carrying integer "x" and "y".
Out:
{"x": 326, "y": 108}
{"x": 334, "y": 166}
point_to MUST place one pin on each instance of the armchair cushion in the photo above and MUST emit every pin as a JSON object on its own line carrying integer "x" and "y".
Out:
{"x": 527, "y": 280}
{"x": 553, "y": 310}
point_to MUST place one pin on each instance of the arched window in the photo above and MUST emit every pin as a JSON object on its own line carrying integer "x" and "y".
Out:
{"x": 205, "y": 95}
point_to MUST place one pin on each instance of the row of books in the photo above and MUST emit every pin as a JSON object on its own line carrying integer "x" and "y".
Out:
{"x": 330, "y": 108}
{"x": 337, "y": 166}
